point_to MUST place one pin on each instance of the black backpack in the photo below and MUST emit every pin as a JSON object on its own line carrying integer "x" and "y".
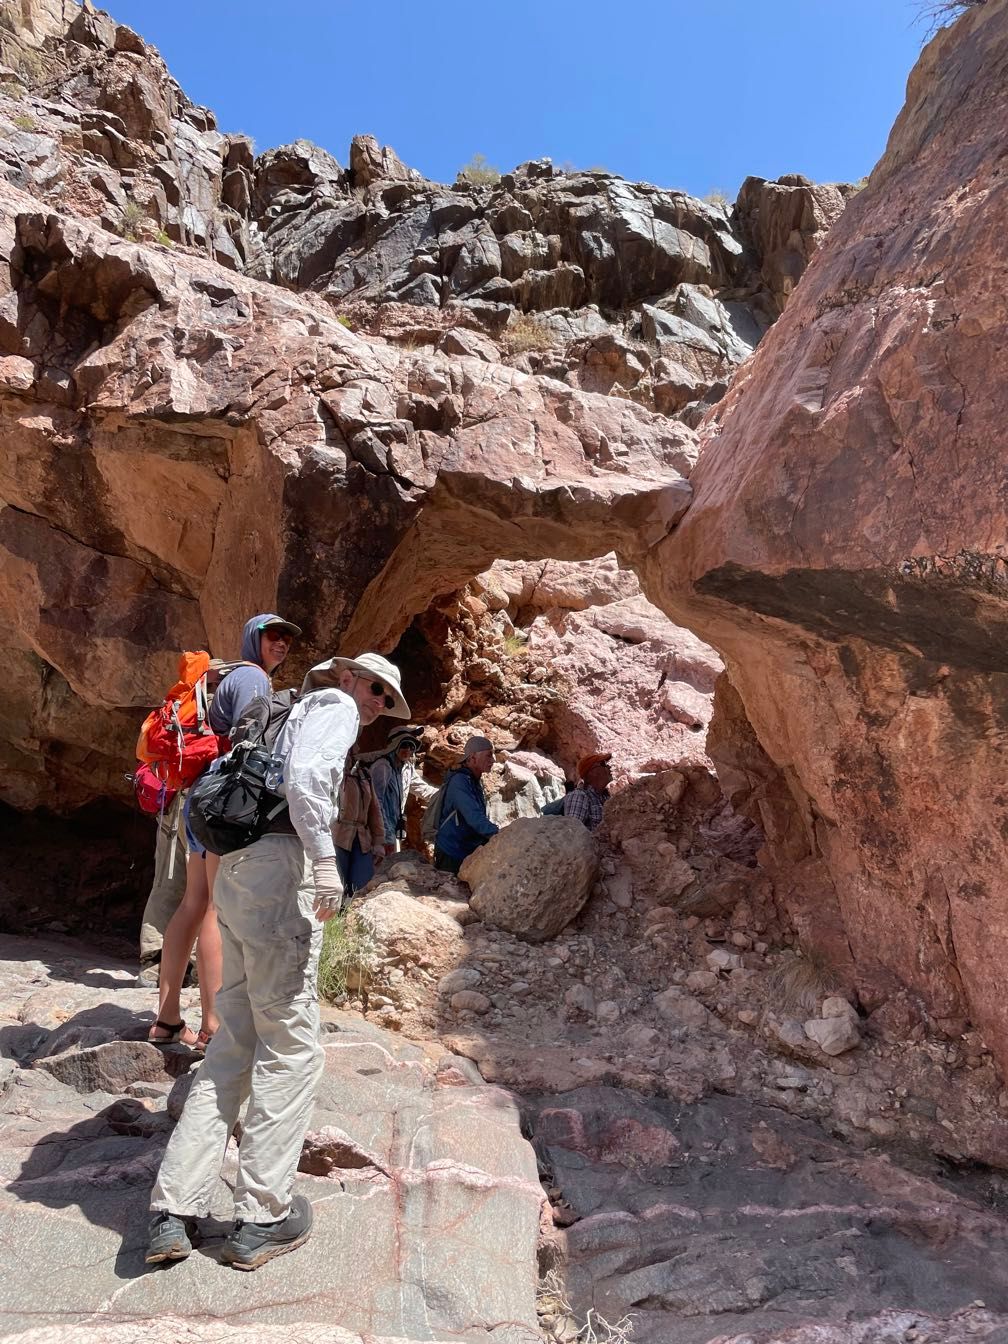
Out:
{"x": 232, "y": 805}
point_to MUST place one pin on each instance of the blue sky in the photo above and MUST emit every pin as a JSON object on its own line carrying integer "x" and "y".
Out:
{"x": 684, "y": 93}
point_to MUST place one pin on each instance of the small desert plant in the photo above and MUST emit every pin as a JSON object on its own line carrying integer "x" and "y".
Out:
{"x": 31, "y": 66}
{"x": 479, "y": 173}
{"x": 557, "y": 1319}
{"x": 346, "y": 956}
{"x": 24, "y": 122}
{"x": 345, "y": 321}
{"x": 162, "y": 238}
{"x": 131, "y": 221}
{"x": 938, "y": 13}
{"x": 717, "y": 197}
{"x": 524, "y": 333}
{"x": 515, "y": 643}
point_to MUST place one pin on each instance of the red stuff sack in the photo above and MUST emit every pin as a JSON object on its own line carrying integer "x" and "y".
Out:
{"x": 152, "y": 794}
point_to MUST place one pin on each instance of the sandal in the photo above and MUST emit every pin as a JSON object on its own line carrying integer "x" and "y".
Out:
{"x": 203, "y": 1039}
{"x": 174, "y": 1037}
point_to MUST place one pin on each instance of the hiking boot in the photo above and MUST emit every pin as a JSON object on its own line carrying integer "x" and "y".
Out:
{"x": 167, "y": 1239}
{"x": 250, "y": 1245}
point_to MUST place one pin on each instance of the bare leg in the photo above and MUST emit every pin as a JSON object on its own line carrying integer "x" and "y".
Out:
{"x": 178, "y": 940}
{"x": 209, "y": 958}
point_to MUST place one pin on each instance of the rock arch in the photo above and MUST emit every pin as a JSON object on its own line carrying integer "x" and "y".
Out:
{"x": 844, "y": 548}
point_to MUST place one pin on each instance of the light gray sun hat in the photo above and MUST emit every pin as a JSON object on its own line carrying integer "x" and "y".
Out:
{"x": 476, "y": 745}
{"x": 368, "y": 665}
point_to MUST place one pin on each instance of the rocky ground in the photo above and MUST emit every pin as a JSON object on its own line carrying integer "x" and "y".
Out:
{"x": 681, "y": 1181}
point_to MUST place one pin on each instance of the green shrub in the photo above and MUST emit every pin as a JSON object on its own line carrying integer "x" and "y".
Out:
{"x": 24, "y": 123}
{"x": 345, "y": 321}
{"x": 515, "y": 643}
{"x": 346, "y": 958}
{"x": 131, "y": 221}
{"x": 478, "y": 173}
{"x": 162, "y": 238}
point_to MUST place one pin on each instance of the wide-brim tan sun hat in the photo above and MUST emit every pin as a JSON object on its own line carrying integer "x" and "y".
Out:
{"x": 368, "y": 665}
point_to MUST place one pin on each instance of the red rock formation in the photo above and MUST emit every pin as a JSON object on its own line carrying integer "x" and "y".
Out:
{"x": 846, "y": 550}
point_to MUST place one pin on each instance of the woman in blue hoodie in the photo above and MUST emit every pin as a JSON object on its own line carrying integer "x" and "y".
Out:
{"x": 266, "y": 641}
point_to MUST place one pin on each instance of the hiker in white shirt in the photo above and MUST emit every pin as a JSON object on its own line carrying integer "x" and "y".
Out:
{"x": 272, "y": 897}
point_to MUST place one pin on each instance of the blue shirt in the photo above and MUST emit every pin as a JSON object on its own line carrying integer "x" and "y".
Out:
{"x": 464, "y": 821}
{"x": 239, "y": 687}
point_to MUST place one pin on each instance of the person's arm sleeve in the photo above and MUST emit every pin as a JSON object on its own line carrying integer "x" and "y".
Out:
{"x": 313, "y": 771}
{"x": 472, "y": 813}
{"x": 576, "y": 805}
{"x": 381, "y": 779}
{"x": 419, "y": 788}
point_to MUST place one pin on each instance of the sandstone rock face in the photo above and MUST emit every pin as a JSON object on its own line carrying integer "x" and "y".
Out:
{"x": 534, "y": 876}
{"x": 844, "y": 551}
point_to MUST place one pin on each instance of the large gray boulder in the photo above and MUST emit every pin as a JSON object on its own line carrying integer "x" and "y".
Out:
{"x": 534, "y": 876}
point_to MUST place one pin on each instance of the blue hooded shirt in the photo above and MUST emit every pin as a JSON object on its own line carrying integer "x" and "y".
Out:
{"x": 242, "y": 684}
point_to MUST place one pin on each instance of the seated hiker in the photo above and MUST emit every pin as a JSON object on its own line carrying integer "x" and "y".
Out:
{"x": 358, "y": 829}
{"x": 465, "y": 824}
{"x": 266, "y": 641}
{"x": 394, "y": 776}
{"x": 585, "y": 802}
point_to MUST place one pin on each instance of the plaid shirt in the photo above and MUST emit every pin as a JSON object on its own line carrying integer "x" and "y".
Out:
{"x": 585, "y": 803}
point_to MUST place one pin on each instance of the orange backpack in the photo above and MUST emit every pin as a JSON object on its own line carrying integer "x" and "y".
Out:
{"x": 176, "y": 739}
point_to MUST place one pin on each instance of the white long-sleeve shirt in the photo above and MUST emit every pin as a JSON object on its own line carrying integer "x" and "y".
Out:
{"x": 322, "y": 728}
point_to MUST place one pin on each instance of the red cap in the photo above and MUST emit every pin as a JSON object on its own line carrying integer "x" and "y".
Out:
{"x": 587, "y": 762}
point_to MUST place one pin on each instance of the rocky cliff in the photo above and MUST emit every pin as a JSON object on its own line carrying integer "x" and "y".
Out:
{"x": 845, "y": 551}
{"x": 194, "y": 429}
{"x": 393, "y": 384}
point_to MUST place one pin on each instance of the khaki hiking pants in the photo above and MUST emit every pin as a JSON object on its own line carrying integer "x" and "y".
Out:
{"x": 166, "y": 892}
{"x": 267, "y": 1046}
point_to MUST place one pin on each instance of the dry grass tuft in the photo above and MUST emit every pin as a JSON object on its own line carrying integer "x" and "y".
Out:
{"x": 523, "y": 333}
{"x": 799, "y": 985}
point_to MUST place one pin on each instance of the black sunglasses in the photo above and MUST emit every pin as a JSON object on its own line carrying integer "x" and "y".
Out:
{"x": 378, "y": 688}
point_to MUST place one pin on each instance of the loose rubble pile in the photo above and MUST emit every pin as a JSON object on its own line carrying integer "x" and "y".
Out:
{"x": 681, "y": 974}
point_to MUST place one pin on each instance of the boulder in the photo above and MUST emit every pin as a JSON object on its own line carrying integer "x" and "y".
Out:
{"x": 833, "y": 1035}
{"x": 405, "y": 930}
{"x": 534, "y": 876}
{"x": 113, "y": 1066}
